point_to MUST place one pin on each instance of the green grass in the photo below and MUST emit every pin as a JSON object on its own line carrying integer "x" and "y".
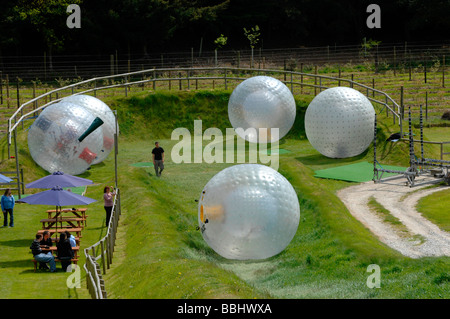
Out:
{"x": 386, "y": 215}
{"x": 159, "y": 252}
{"x": 435, "y": 208}
{"x": 390, "y": 219}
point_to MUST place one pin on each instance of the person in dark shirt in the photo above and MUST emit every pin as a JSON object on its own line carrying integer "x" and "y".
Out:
{"x": 64, "y": 251}
{"x": 158, "y": 159}
{"x": 39, "y": 255}
{"x": 45, "y": 242}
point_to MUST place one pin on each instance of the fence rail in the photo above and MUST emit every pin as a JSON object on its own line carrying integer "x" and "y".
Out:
{"x": 394, "y": 55}
{"x": 102, "y": 251}
{"x": 308, "y": 80}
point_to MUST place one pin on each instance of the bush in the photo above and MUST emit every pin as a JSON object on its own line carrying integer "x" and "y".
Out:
{"x": 446, "y": 115}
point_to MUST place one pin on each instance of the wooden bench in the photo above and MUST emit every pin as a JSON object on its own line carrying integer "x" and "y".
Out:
{"x": 62, "y": 230}
{"x": 52, "y": 249}
{"x": 73, "y": 260}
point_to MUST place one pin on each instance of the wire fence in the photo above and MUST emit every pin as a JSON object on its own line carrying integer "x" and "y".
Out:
{"x": 399, "y": 57}
{"x": 99, "y": 256}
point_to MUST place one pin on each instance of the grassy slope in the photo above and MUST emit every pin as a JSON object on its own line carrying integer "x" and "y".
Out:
{"x": 161, "y": 255}
{"x": 327, "y": 258}
{"x": 435, "y": 208}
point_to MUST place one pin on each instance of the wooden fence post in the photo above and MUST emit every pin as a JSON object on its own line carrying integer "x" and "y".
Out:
{"x": 425, "y": 70}
{"x": 395, "y": 63}
{"x": 315, "y": 80}
{"x": 402, "y": 105}
{"x": 1, "y": 87}
{"x": 373, "y": 86}
{"x": 7, "y": 90}
{"x": 301, "y": 78}
{"x": 239, "y": 59}
{"x": 443, "y": 71}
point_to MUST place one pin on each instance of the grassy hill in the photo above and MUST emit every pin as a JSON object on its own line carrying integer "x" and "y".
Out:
{"x": 160, "y": 254}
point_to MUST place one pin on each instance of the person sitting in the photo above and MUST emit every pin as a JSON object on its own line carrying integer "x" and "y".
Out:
{"x": 64, "y": 251}
{"x": 71, "y": 238}
{"x": 40, "y": 256}
{"x": 46, "y": 243}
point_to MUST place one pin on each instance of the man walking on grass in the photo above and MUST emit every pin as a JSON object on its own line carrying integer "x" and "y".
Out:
{"x": 158, "y": 159}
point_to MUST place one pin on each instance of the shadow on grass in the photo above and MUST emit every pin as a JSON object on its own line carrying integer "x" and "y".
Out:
{"x": 319, "y": 159}
{"x": 24, "y": 263}
{"x": 17, "y": 242}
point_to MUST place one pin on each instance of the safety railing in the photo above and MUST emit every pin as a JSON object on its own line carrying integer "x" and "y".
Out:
{"x": 102, "y": 251}
{"x": 291, "y": 79}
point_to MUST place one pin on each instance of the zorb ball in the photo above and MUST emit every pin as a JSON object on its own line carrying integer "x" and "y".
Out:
{"x": 53, "y": 139}
{"x": 248, "y": 211}
{"x": 339, "y": 122}
{"x": 100, "y": 109}
{"x": 261, "y": 102}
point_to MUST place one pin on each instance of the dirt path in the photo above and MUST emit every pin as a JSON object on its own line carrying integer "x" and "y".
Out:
{"x": 401, "y": 202}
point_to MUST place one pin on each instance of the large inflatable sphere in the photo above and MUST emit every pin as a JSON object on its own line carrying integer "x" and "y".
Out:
{"x": 339, "y": 122}
{"x": 248, "y": 211}
{"x": 100, "y": 109}
{"x": 53, "y": 139}
{"x": 262, "y": 102}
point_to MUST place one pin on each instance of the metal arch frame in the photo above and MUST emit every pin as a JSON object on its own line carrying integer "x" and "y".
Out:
{"x": 12, "y": 128}
{"x": 416, "y": 167}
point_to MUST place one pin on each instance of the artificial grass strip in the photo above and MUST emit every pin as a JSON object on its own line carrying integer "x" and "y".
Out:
{"x": 358, "y": 172}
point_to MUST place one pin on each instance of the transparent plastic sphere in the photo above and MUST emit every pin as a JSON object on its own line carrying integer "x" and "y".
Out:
{"x": 53, "y": 139}
{"x": 262, "y": 102}
{"x": 248, "y": 211}
{"x": 339, "y": 122}
{"x": 99, "y": 109}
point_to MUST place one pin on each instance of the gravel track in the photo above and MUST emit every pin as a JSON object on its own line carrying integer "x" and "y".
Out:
{"x": 401, "y": 202}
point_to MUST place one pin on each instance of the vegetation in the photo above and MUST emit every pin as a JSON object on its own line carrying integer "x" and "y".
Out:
{"x": 435, "y": 208}
{"x": 142, "y": 26}
{"x": 159, "y": 252}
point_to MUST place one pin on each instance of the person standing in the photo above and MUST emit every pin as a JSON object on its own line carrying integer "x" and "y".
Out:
{"x": 108, "y": 198}
{"x": 158, "y": 159}
{"x": 7, "y": 203}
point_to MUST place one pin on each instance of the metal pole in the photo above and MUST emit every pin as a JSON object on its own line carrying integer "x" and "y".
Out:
{"x": 421, "y": 133}
{"x": 116, "y": 150}
{"x": 17, "y": 163}
{"x": 375, "y": 148}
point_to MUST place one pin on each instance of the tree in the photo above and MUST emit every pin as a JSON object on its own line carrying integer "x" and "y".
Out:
{"x": 253, "y": 37}
{"x": 220, "y": 42}
{"x": 48, "y": 17}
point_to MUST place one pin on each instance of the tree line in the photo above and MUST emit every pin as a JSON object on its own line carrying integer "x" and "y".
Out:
{"x": 142, "y": 27}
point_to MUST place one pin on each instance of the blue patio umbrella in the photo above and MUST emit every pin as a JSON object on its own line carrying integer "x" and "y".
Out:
{"x": 57, "y": 197}
{"x": 59, "y": 179}
{"x": 5, "y": 179}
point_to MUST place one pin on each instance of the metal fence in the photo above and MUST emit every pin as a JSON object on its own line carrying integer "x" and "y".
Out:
{"x": 396, "y": 56}
{"x": 100, "y": 255}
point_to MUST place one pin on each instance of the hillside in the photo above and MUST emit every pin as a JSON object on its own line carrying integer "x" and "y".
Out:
{"x": 160, "y": 254}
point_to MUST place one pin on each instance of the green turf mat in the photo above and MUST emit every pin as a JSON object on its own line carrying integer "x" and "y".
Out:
{"x": 142, "y": 164}
{"x": 358, "y": 172}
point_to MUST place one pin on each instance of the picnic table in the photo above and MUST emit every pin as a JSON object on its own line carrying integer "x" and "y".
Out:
{"x": 53, "y": 249}
{"x": 62, "y": 230}
{"x": 78, "y": 213}
{"x": 72, "y": 222}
